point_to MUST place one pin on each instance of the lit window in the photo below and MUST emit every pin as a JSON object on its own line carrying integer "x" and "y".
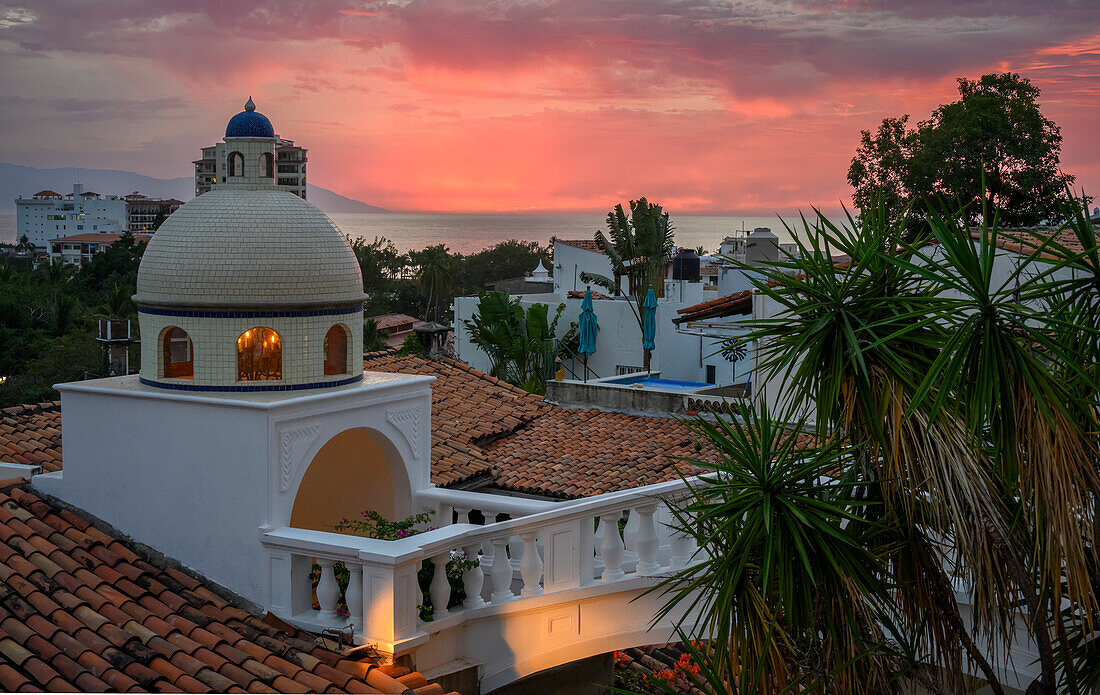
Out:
{"x": 178, "y": 358}
{"x": 336, "y": 350}
{"x": 259, "y": 355}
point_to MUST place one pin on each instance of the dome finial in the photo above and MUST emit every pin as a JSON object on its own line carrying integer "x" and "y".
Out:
{"x": 250, "y": 105}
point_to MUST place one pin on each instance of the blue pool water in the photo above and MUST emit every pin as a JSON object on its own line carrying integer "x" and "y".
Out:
{"x": 667, "y": 384}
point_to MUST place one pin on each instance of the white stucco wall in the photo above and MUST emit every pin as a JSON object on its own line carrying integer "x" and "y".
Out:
{"x": 619, "y": 341}
{"x": 570, "y": 262}
{"x": 198, "y": 476}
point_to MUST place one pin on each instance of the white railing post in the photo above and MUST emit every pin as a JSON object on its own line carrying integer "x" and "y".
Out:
{"x": 440, "y": 588}
{"x": 463, "y": 515}
{"x": 502, "y": 572}
{"x": 445, "y": 511}
{"x": 515, "y": 551}
{"x": 531, "y": 565}
{"x": 354, "y": 594}
{"x": 630, "y": 538}
{"x": 328, "y": 591}
{"x": 473, "y": 578}
{"x": 647, "y": 540}
{"x": 587, "y": 546}
{"x": 681, "y": 547}
{"x": 611, "y": 547}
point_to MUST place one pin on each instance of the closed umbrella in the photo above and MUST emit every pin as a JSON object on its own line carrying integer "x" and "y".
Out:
{"x": 587, "y": 326}
{"x": 649, "y": 324}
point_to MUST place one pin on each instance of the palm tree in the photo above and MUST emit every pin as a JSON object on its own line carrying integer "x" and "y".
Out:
{"x": 373, "y": 338}
{"x": 963, "y": 407}
{"x": 640, "y": 249}
{"x": 519, "y": 341}
{"x": 435, "y": 276}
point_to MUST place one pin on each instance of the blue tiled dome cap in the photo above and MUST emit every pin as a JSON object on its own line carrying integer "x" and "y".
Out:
{"x": 249, "y": 124}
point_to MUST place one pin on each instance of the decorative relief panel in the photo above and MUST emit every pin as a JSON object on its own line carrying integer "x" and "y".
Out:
{"x": 293, "y": 443}
{"x": 407, "y": 420}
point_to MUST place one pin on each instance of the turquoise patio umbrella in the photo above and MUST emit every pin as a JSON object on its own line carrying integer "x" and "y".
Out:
{"x": 587, "y": 326}
{"x": 649, "y": 320}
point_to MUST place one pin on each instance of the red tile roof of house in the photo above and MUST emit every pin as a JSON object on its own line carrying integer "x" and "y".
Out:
{"x": 83, "y": 610}
{"x": 483, "y": 429}
{"x": 586, "y": 244}
{"x": 387, "y": 321}
{"x": 579, "y": 294}
{"x": 47, "y": 194}
{"x": 1025, "y": 240}
{"x": 730, "y": 305}
{"x": 31, "y": 435}
{"x": 97, "y": 238}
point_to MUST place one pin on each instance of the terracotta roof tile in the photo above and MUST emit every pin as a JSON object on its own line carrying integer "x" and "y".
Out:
{"x": 99, "y": 627}
{"x": 31, "y": 434}
{"x": 586, "y": 244}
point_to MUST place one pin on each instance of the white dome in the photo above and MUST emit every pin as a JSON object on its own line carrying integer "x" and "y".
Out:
{"x": 239, "y": 248}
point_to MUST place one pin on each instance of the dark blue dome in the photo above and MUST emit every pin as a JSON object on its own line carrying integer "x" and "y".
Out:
{"x": 249, "y": 124}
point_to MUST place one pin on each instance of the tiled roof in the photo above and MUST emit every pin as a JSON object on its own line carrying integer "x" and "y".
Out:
{"x": 709, "y": 270}
{"x": 1025, "y": 240}
{"x": 482, "y": 428}
{"x": 586, "y": 244}
{"x": 578, "y": 294}
{"x": 729, "y": 305}
{"x": 47, "y": 194}
{"x": 579, "y": 453}
{"x": 469, "y": 408}
{"x": 387, "y": 321}
{"x": 31, "y": 435}
{"x": 81, "y": 610}
{"x": 101, "y": 238}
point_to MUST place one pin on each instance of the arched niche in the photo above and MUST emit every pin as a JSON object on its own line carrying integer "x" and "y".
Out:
{"x": 267, "y": 165}
{"x": 236, "y": 164}
{"x": 354, "y": 471}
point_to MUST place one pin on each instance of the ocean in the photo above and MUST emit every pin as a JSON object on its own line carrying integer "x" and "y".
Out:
{"x": 464, "y": 233}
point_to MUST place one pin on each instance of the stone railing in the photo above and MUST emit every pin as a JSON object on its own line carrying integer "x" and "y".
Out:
{"x": 557, "y": 551}
{"x": 465, "y": 506}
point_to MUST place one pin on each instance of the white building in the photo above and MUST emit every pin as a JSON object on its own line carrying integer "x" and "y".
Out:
{"x": 685, "y": 351}
{"x": 289, "y": 162}
{"x": 49, "y": 215}
{"x": 79, "y": 248}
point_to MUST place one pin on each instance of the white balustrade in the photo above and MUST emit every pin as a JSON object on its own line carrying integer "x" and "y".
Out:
{"x": 567, "y": 546}
{"x": 354, "y": 594}
{"x": 328, "y": 591}
{"x": 440, "y": 588}
{"x": 531, "y": 565}
{"x": 612, "y": 549}
{"x": 473, "y": 578}
{"x": 502, "y": 572}
{"x": 647, "y": 542}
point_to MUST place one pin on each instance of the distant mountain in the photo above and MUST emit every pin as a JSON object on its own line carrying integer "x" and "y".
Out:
{"x": 18, "y": 180}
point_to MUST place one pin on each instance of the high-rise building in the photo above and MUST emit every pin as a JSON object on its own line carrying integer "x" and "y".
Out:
{"x": 290, "y": 164}
{"x": 142, "y": 212}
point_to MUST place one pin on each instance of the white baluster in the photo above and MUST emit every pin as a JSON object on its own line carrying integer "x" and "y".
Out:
{"x": 444, "y": 518}
{"x": 531, "y": 564}
{"x": 463, "y": 515}
{"x": 354, "y": 595}
{"x": 681, "y": 546}
{"x": 440, "y": 588}
{"x": 515, "y": 551}
{"x": 502, "y": 572}
{"x": 630, "y": 538}
{"x": 597, "y": 543}
{"x": 473, "y": 578}
{"x": 328, "y": 591}
{"x": 611, "y": 548}
{"x": 647, "y": 540}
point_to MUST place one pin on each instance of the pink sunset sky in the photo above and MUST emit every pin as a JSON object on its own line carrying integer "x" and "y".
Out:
{"x": 749, "y": 107}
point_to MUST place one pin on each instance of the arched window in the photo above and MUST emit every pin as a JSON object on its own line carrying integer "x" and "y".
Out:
{"x": 259, "y": 355}
{"x": 236, "y": 164}
{"x": 177, "y": 354}
{"x": 267, "y": 165}
{"x": 336, "y": 350}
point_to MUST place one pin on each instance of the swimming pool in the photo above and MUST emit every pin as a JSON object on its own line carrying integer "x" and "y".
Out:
{"x": 657, "y": 383}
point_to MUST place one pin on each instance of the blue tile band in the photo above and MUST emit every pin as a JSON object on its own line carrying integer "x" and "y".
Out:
{"x": 249, "y": 314}
{"x": 250, "y": 388}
